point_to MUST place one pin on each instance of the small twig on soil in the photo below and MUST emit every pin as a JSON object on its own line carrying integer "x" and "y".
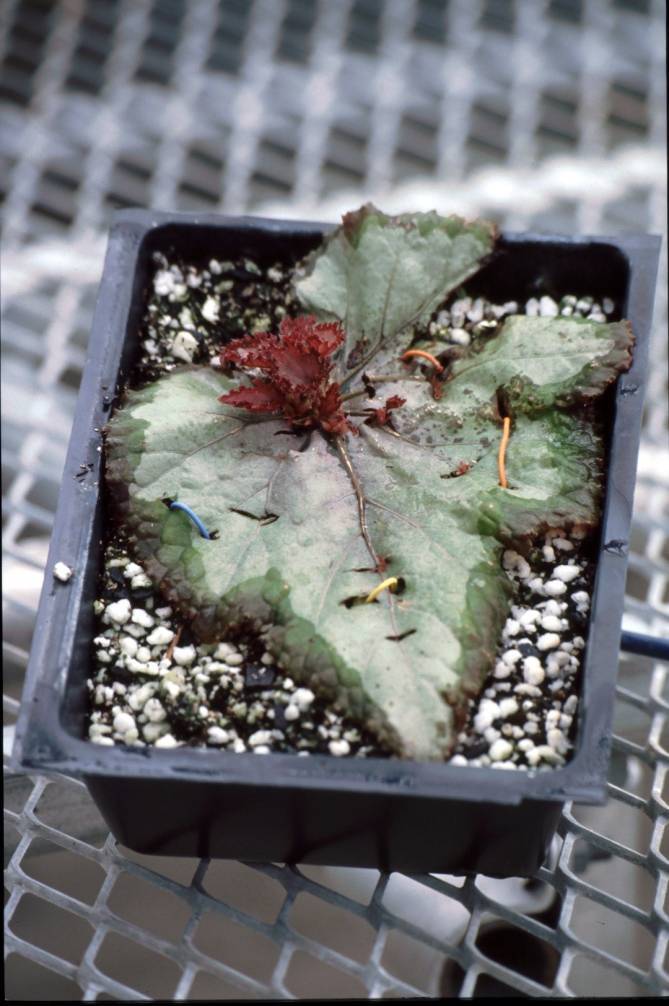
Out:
{"x": 175, "y": 641}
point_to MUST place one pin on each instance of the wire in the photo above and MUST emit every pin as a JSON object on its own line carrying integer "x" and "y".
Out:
{"x": 193, "y": 516}
{"x": 501, "y": 457}
{"x": 389, "y": 584}
{"x": 645, "y": 646}
{"x": 425, "y": 356}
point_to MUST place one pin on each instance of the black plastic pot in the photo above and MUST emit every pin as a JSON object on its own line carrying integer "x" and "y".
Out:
{"x": 390, "y": 814}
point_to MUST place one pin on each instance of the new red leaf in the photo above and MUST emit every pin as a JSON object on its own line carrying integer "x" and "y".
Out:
{"x": 296, "y": 366}
{"x": 381, "y": 417}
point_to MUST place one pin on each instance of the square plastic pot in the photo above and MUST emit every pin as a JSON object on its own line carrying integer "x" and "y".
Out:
{"x": 385, "y": 813}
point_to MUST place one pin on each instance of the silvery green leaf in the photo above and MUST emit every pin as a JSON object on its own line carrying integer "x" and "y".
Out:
{"x": 382, "y": 275}
{"x": 405, "y": 665}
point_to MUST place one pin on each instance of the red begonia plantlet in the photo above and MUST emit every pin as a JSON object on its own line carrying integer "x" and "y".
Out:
{"x": 382, "y": 417}
{"x": 297, "y": 366}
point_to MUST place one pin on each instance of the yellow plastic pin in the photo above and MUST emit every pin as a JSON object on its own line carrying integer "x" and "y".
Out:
{"x": 389, "y": 584}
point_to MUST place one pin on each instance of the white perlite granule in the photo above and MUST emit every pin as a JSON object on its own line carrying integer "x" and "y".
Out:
{"x": 183, "y": 347}
{"x": 548, "y": 641}
{"x": 500, "y": 750}
{"x": 566, "y": 573}
{"x": 118, "y": 612}
{"x": 339, "y": 748}
{"x": 62, "y": 572}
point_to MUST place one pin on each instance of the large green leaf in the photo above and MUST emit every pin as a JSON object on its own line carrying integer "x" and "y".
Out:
{"x": 381, "y": 275}
{"x": 541, "y": 362}
{"x": 405, "y": 664}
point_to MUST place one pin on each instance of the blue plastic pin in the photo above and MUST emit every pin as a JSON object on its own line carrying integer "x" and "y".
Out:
{"x": 193, "y": 516}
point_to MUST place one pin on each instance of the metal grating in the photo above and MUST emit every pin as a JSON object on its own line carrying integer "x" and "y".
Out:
{"x": 546, "y": 114}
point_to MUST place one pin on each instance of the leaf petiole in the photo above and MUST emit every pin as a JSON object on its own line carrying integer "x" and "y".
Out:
{"x": 380, "y": 379}
{"x": 354, "y": 394}
{"x": 361, "y": 500}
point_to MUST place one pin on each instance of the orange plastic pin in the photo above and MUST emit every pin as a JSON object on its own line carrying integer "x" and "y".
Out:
{"x": 501, "y": 457}
{"x": 426, "y": 356}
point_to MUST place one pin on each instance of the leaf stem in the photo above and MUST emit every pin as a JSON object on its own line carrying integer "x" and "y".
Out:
{"x": 501, "y": 456}
{"x": 360, "y": 497}
{"x": 380, "y": 378}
